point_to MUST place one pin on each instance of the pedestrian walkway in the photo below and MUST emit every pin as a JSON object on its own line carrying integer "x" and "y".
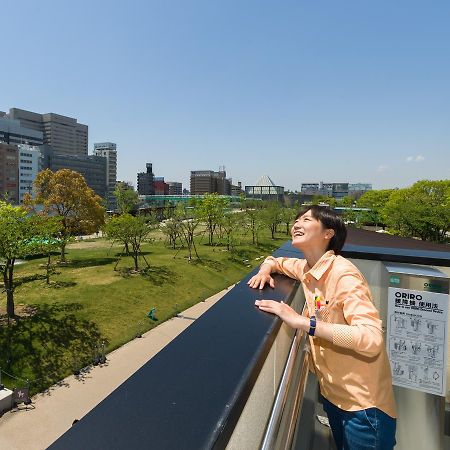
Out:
{"x": 74, "y": 397}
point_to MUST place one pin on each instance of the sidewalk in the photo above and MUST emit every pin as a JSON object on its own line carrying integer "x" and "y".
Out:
{"x": 74, "y": 397}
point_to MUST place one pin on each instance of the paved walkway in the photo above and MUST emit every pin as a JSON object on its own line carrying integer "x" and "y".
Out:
{"x": 56, "y": 410}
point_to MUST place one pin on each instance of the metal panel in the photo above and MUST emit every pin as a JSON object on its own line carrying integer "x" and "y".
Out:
{"x": 420, "y": 415}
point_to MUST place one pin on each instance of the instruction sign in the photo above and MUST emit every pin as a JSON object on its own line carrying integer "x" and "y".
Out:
{"x": 417, "y": 330}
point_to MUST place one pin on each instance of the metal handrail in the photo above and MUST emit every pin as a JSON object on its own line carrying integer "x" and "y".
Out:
{"x": 271, "y": 434}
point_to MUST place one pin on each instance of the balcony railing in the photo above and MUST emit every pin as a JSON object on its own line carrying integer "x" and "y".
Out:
{"x": 235, "y": 379}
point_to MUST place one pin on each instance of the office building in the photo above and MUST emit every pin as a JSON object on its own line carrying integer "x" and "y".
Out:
{"x": 209, "y": 182}
{"x": 175, "y": 188}
{"x": 64, "y": 134}
{"x": 338, "y": 190}
{"x": 145, "y": 181}
{"x": 109, "y": 151}
{"x": 29, "y": 167}
{"x": 355, "y": 190}
{"x": 12, "y": 132}
{"x": 335, "y": 190}
{"x": 92, "y": 167}
{"x": 236, "y": 190}
{"x": 265, "y": 189}
{"x": 9, "y": 168}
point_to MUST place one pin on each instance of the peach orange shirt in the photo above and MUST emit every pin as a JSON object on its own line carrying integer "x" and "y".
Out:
{"x": 353, "y": 371}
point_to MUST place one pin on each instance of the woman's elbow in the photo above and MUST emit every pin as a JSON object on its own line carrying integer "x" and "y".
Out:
{"x": 371, "y": 342}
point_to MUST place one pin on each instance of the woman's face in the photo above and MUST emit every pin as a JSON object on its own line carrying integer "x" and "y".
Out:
{"x": 308, "y": 232}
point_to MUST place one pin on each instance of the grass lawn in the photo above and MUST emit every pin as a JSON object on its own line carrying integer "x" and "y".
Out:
{"x": 88, "y": 303}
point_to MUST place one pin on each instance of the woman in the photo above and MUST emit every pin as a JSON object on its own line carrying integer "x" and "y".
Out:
{"x": 347, "y": 347}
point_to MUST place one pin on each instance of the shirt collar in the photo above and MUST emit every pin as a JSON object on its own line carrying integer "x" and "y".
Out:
{"x": 321, "y": 266}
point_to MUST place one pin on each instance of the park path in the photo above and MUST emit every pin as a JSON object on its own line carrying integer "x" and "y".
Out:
{"x": 36, "y": 429}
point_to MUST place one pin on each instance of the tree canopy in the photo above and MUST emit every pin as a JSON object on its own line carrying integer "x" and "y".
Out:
{"x": 130, "y": 231}
{"x": 65, "y": 194}
{"x": 16, "y": 232}
{"x": 211, "y": 210}
{"x": 422, "y": 210}
{"x": 127, "y": 198}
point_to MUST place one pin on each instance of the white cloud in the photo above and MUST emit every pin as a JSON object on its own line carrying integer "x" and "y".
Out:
{"x": 417, "y": 158}
{"x": 382, "y": 168}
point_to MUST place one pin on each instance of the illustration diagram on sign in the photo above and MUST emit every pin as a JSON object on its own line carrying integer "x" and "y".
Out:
{"x": 412, "y": 373}
{"x": 398, "y": 369}
{"x": 416, "y": 346}
{"x": 400, "y": 346}
{"x": 431, "y": 325}
{"x": 432, "y": 350}
{"x": 400, "y": 322}
{"x": 415, "y": 324}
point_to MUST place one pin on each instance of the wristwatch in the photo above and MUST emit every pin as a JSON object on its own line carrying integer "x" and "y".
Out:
{"x": 312, "y": 325}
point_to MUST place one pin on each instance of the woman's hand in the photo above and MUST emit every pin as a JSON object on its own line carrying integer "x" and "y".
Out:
{"x": 284, "y": 312}
{"x": 259, "y": 280}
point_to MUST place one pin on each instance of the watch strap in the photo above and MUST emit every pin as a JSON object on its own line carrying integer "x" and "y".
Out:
{"x": 312, "y": 325}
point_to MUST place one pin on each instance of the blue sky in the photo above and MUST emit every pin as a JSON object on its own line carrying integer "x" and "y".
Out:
{"x": 302, "y": 91}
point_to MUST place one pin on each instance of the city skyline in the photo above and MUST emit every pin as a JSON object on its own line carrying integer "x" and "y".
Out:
{"x": 301, "y": 92}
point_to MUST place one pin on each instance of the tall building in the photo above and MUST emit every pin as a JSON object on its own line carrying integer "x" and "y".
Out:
{"x": 145, "y": 181}
{"x": 12, "y": 132}
{"x": 265, "y": 189}
{"x": 92, "y": 167}
{"x": 161, "y": 187}
{"x": 338, "y": 190}
{"x": 175, "y": 188}
{"x": 29, "y": 167}
{"x": 209, "y": 182}
{"x": 9, "y": 168}
{"x": 64, "y": 134}
{"x": 236, "y": 190}
{"x": 109, "y": 151}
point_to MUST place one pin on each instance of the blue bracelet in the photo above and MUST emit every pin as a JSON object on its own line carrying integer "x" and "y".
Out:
{"x": 312, "y": 325}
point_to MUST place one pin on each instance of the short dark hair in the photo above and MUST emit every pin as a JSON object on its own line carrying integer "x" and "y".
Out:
{"x": 329, "y": 220}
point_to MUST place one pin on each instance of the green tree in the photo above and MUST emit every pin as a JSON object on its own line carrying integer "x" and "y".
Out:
{"x": 351, "y": 217}
{"x": 65, "y": 194}
{"x": 287, "y": 217}
{"x": 253, "y": 220}
{"x": 130, "y": 231}
{"x": 423, "y": 211}
{"x": 375, "y": 201}
{"x": 346, "y": 201}
{"x": 188, "y": 227}
{"x": 271, "y": 215}
{"x": 45, "y": 240}
{"x": 16, "y": 231}
{"x": 211, "y": 210}
{"x": 231, "y": 223}
{"x": 126, "y": 197}
{"x": 171, "y": 227}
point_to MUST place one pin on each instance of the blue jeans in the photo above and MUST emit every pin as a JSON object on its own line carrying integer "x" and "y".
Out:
{"x": 366, "y": 429}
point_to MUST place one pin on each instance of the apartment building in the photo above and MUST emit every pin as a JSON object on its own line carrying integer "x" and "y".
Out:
{"x": 9, "y": 173}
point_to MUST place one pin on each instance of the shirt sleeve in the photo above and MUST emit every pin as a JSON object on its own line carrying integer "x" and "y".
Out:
{"x": 290, "y": 267}
{"x": 363, "y": 332}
